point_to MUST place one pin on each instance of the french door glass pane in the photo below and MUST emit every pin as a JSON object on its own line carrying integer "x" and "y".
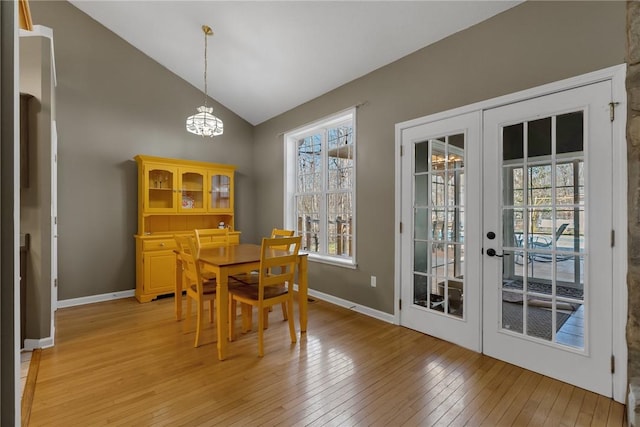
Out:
{"x": 543, "y": 217}
{"x": 438, "y": 264}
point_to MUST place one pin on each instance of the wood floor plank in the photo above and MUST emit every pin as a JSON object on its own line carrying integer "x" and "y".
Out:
{"x": 585, "y": 416}
{"x": 543, "y": 409}
{"x": 448, "y": 410}
{"x": 572, "y": 410}
{"x": 559, "y": 406}
{"x": 532, "y": 403}
{"x": 601, "y": 411}
{"x": 523, "y": 380}
{"x": 617, "y": 415}
{"x": 483, "y": 402}
{"x": 471, "y": 390}
{"x": 520, "y": 400}
{"x": 130, "y": 364}
{"x": 496, "y": 396}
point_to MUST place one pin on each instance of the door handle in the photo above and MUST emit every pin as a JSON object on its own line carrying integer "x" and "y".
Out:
{"x": 492, "y": 252}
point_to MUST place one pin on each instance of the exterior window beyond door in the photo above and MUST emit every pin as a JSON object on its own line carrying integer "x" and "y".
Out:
{"x": 320, "y": 187}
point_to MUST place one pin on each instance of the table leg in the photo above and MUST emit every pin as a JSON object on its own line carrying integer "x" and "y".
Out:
{"x": 222, "y": 310}
{"x": 303, "y": 289}
{"x": 178, "y": 289}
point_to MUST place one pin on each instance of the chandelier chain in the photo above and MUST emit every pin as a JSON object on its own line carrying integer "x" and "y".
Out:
{"x": 205, "y": 68}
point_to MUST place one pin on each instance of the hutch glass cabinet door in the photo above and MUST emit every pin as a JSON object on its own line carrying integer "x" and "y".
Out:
{"x": 192, "y": 190}
{"x": 220, "y": 192}
{"x": 160, "y": 188}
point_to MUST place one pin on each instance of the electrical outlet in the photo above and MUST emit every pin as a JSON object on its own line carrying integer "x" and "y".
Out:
{"x": 373, "y": 281}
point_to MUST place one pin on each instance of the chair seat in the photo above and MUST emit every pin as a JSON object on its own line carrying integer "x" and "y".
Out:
{"x": 209, "y": 287}
{"x": 247, "y": 279}
{"x": 251, "y": 291}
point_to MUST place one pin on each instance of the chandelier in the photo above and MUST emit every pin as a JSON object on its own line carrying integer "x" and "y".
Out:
{"x": 204, "y": 123}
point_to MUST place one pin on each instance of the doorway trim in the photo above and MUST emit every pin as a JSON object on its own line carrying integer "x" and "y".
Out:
{"x": 616, "y": 75}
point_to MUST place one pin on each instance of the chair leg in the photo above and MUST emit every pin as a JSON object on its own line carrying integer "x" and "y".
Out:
{"x": 284, "y": 311}
{"x": 261, "y": 317}
{"x": 292, "y": 326}
{"x": 188, "y": 315}
{"x": 232, "y": 318}
{"x": 211, "y": 311}
{"x": 247, "y": 315}
{"x": 265, "y": 313}
{"x": 199, "y": 320}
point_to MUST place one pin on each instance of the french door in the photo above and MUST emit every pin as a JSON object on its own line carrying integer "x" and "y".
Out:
{"x": 441, "y": 290}
{"x": 507, "y": 214}
{"x": 547, "y": 263}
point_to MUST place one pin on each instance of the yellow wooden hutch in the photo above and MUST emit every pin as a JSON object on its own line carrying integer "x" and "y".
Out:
{"x": 176, "y": 197}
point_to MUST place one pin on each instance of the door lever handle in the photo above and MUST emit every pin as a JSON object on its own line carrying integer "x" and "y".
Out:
{"x": 492, "y": 252}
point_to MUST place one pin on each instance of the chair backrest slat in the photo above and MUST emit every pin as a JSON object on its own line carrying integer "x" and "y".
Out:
{"x": 279, "y": 252}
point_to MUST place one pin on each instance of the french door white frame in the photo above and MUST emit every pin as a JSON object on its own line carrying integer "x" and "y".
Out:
{"x": 616, "y": 75}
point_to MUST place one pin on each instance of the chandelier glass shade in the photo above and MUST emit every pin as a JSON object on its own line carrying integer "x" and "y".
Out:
{"x": 204, "y": 123}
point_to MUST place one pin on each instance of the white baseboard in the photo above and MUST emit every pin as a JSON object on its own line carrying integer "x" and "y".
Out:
{"x": 95, "y": 298}
{"x": 31, "y": 345}
{"x": 380, "y": 315}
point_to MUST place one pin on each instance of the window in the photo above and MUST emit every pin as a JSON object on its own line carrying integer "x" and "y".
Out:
{"x": 320, "y": 187}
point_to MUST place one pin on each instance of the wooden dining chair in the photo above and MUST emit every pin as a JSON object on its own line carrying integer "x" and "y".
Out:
{"x": 278, "y": 233}
{"x": 210, "y": 238}
{"x": 198, "y": 288}
{"x": 272, "y": 285}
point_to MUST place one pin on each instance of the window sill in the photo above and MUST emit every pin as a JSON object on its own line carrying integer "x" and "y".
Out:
{"x": 338, "y": 262}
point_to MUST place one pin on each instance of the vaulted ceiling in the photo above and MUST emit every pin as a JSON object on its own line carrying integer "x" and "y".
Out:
{"x": 267, "y": 57}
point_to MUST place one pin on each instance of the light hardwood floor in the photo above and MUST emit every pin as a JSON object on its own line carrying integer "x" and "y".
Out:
{"x": 130, "y": 364}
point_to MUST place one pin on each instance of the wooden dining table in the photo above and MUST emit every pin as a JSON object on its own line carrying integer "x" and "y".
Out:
{"x": 228, "y": 261}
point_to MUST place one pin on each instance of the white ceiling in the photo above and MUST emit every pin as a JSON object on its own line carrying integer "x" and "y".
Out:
{"x": 267, "y": 57}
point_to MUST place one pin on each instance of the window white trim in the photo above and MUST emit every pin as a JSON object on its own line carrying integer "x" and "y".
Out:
{"x": 290, "y": 184}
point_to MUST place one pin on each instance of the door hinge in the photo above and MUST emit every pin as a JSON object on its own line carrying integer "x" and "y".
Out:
{"x": 401, "y": 150}
{"x": 401, "y": 227}
{"x": 613, "y": 238}
{"x": 55, "y": 283}
{"x": 612, "y": 110}
{"x": 400, "y": 304}
{"x": 613, "y": 364}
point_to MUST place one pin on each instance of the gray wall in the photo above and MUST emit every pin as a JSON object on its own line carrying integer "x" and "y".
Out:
{"x": 114, "y": 102}
{"x": 529, "y": 45}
